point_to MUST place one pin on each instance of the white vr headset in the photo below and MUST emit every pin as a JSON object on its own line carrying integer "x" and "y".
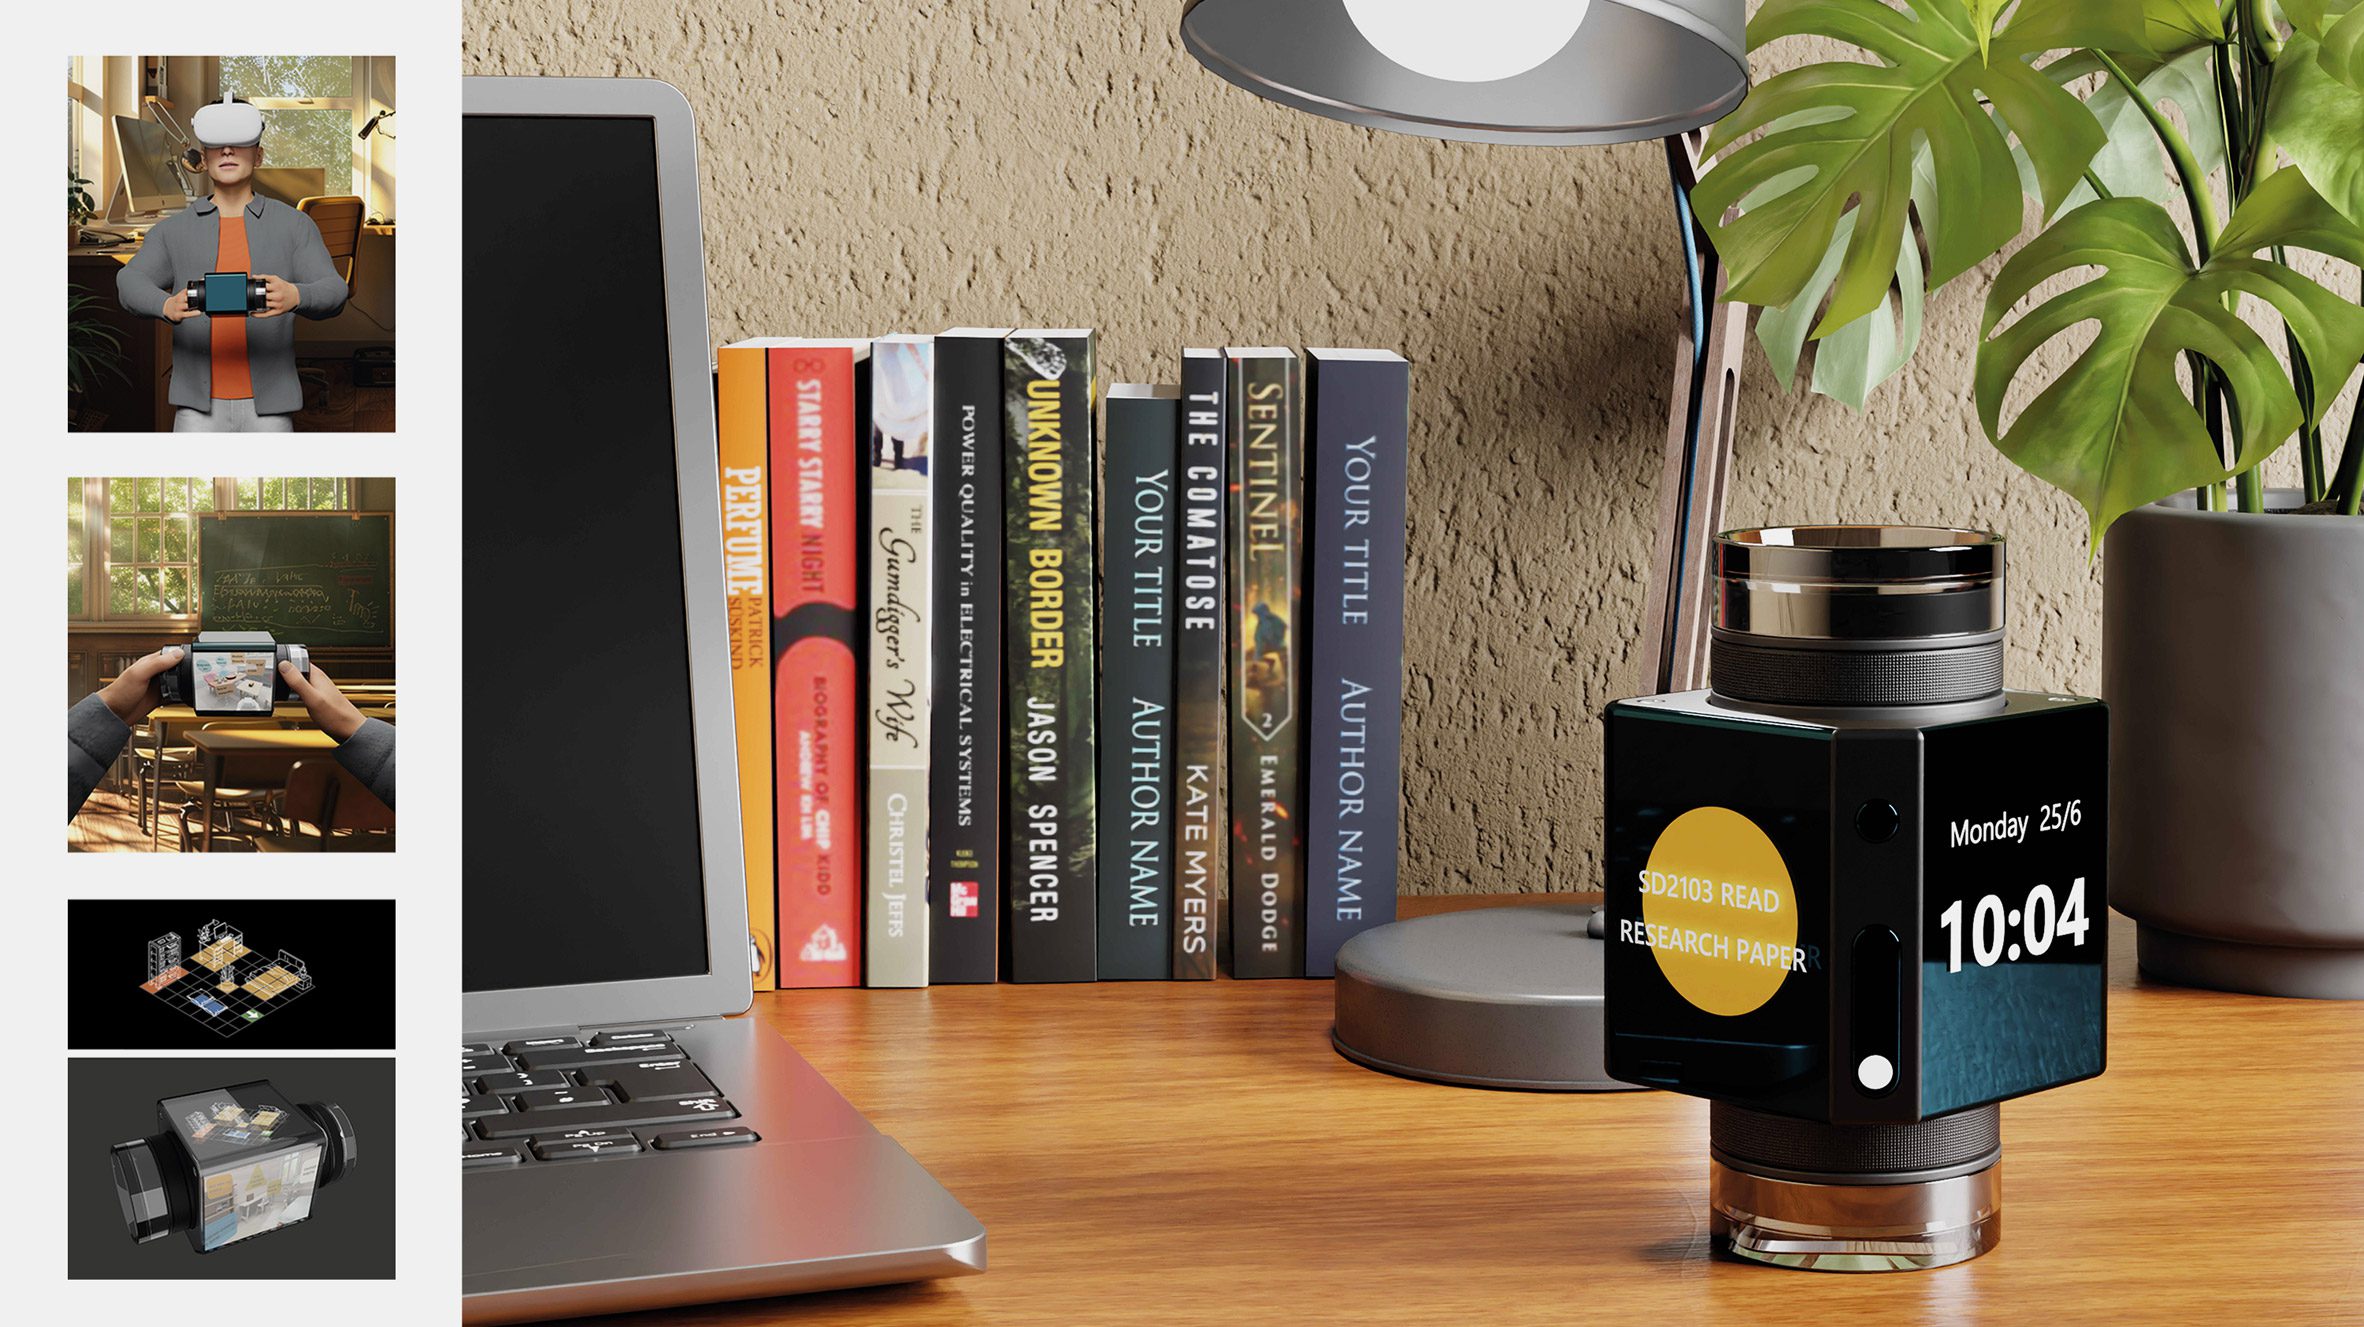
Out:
{"x": 227, "y": 123}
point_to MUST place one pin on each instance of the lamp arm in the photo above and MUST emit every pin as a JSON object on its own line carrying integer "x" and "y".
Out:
{"x": 1698, "y": 458}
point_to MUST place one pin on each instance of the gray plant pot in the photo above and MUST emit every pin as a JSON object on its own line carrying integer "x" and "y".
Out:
{"x": 2233, "y": 662}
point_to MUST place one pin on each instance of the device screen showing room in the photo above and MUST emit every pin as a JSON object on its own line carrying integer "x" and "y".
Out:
{"x": 225, "y": 292}
{"x": 243, "y": 1198}
{"x": 232, "y": 681}
{"x": 582, "y": 855}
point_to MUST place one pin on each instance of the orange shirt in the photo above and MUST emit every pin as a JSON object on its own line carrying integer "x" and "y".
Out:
{"x": 231, "y": 381}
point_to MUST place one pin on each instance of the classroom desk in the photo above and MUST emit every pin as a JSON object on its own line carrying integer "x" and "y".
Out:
{"x": 1197, "y": 1153}
{"x": 263, "y": 757}
{"x": 165, "y": 718}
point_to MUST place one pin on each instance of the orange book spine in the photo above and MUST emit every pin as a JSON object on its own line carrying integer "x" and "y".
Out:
{"x": 816, "y": 523}
{"x": 745, "y": 443}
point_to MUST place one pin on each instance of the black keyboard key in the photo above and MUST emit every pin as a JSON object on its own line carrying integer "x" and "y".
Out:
{"x": 736, "y": 1133}
{"x": 478, "y": 1156}
{"x": 687, "y": 1110}
{"x": 468, "y": 1048}
{"x": 648, "y": 1038}
{"x": 524, "y": 1082}
{"x": 584, "y": 1057}
{"x": 486, "y": 1063}
{"x": 644, "y": 1079}
{"x": 587, "y": 1150}
{"x": 562, "y": 1098}
{"x": 544, "y": 1044}
{"x": 574, "y": 1135}
{"x": 474, "y": 1104}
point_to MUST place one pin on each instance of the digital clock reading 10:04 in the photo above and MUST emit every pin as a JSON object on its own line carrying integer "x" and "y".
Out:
{"x": 2043, "y": 921}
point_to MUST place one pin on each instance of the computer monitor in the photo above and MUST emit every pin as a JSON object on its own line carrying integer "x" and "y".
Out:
{"x": 148, "y": 176}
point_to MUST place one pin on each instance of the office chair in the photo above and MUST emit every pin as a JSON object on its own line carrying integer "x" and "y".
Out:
{"x": 338, "y": 217}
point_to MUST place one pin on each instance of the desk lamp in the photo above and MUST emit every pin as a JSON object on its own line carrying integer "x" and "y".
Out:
{"x": 1511, "y": 997}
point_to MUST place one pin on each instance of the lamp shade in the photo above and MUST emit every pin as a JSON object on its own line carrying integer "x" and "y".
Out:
{"x": 1484, "y": 71}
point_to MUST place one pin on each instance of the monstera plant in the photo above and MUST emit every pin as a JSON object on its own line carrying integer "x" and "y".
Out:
{"x": 2184, "y": 154}
{"x": 2198, "y": 172}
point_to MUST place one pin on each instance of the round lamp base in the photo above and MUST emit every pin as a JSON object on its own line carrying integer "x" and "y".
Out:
{"x": 1489, "y": 997}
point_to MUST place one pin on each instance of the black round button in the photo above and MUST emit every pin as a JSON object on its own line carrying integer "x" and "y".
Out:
{"x": 1876, "y": 821}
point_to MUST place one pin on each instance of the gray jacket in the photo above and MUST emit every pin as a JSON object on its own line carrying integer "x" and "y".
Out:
{"x": 280, "y": 242}
{"x": 94, "y": 737}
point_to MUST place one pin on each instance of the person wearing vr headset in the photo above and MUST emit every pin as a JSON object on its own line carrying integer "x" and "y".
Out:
{"x": 100, "y": 723}
{"x": 233, "y": 371}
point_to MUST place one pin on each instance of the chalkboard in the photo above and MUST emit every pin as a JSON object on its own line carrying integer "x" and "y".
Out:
{"x": 315, "y": 578}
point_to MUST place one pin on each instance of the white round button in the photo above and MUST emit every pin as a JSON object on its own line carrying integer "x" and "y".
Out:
{"x": 1875, "y": 1073}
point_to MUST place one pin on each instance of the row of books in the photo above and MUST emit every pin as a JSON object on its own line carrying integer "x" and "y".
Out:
{"x": 1024, "y": 693}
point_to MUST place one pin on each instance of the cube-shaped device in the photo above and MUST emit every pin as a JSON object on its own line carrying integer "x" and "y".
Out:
{"x": 229, "y": 1164}
{"x": 1855, "y": 894}
{"x": 228, "y": 295}
{"x": 1856, "y": 923}
{"x": 232, "y": 672}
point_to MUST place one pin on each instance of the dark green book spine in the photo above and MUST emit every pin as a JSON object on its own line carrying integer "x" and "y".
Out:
{"x": 1202, "y": 827}
{"x": 1049, "y": 870}
{"x": 1137, "y": 684}
{"x": 1264, "y": 425}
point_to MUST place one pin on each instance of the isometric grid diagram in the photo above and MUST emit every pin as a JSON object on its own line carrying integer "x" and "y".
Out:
{"x": 224, "y": 985}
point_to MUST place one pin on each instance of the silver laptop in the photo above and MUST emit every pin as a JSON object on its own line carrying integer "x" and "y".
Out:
{"x": 626, "y": 1145}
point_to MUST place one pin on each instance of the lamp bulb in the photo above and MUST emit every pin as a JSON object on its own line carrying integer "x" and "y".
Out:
{"x": 1469, "y": 41}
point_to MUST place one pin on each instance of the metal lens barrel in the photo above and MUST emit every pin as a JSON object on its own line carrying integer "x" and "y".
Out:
{"x": 1857, "y": 616}
{"x": 1857, "y": 623}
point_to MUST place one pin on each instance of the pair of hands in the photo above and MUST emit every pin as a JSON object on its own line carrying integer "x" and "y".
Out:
{"x": 279, "y": 297}
{"x": 132, "y": 694}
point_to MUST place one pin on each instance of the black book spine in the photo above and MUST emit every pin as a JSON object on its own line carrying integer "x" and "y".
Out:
{"x": 1264, "y": 417}
{"x": 1356, "y": 427}
{"x": 1137, "y": 684}
{"x": 1049, "y": 529}
{"x": 1201, "y": 823}
{"x": 964, "y": 778}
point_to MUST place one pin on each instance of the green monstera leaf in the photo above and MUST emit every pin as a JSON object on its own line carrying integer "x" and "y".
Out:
{"x": 2114, "y": 430}
{"x": 1840, "y": 138}
{"x": 2319, "y": 121}
{"x": 2336, "y": 28}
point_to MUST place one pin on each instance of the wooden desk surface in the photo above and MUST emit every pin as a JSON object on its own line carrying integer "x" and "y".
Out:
{"x": 1197, "y": 1153}
{"x": 219, "y": 741}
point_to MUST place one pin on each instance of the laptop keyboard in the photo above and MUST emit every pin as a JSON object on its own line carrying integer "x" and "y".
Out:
{"x": 555, "y": 1099}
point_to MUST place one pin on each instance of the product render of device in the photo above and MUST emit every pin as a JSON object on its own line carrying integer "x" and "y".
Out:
{"x": 231, "y": 1163}
{"x": 227, "y": 295}
{"x": 1855, "y": 894}
{"x": 232, "y": 672}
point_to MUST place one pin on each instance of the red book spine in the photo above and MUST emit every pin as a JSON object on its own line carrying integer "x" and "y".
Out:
{"x": 816, "y": 514}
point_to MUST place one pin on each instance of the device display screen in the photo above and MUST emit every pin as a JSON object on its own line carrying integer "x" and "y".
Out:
{"x": 582, "y": 857}
{"x": 258, "y": 1160}
{"x": 2015, "y": 915}
{"x": 225, "y": 292}
{"x": 233, "y": 681}
{"x": 1718, "y": 943}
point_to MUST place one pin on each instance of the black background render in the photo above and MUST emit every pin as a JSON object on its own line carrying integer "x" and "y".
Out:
{"x": 347, "y": 944}
{"x": 350, "y": 1234}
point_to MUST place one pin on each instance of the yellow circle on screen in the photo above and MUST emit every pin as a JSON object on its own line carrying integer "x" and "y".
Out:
{"x": 1719, "y": 912}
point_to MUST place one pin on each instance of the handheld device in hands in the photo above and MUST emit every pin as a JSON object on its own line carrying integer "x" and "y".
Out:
{"x": 232, "y": 672}
{"x": 1855, "y": 894}
{"x": 228, "y": 295}
{"x": 230, "y": 1163}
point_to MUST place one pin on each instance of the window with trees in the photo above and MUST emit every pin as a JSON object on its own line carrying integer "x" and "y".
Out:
{"x": 132, "y": 546}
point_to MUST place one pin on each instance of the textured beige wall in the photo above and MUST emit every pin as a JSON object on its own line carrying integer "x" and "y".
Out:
{"x": 873, "y": 167}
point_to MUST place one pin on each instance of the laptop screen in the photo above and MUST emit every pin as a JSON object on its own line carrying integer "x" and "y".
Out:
{"x": 580, "y": 850}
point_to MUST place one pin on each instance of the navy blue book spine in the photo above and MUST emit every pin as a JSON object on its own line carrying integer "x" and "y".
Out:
{"x": 1137, "y": 684}
{"x": 1357, "y": 426}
